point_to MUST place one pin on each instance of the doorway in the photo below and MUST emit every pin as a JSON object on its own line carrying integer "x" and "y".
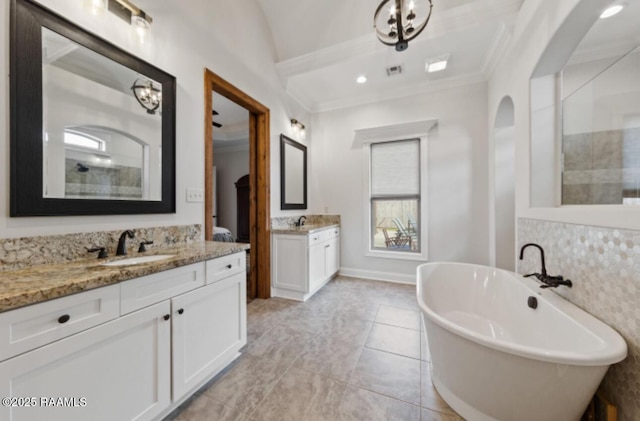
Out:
{"x": 259, "y": 279}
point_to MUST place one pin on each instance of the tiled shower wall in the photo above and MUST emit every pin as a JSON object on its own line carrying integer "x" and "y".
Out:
{"x": 601, "y": 167}
{"x": 604, "y": 265}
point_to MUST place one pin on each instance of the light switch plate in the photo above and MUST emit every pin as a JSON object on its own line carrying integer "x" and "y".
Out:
{"x": 195, "y": 195}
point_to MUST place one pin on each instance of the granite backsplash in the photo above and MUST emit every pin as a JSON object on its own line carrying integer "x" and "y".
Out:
{"x": 19, "y": 253}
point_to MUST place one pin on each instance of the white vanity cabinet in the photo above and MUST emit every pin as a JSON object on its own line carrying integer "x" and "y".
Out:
{"x": 304, "y": 263}
{"x": 174, "y": 331}
{"x": 209, "y": 327}
{"x": 120, "y": 368}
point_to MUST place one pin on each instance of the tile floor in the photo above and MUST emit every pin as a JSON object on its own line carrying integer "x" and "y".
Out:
{"x": 354, "y": 351}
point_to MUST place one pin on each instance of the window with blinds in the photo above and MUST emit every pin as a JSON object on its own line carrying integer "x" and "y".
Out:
{"x": 395, "y": 195}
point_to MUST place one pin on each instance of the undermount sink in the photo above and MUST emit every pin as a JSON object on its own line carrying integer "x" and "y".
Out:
{"x": 138, "y": 260}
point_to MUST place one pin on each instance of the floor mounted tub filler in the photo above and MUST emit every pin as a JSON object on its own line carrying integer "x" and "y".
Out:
{"x": 503, "y": 349}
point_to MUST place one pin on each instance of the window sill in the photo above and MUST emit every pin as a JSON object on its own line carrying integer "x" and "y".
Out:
{"x": 399, "y": 255}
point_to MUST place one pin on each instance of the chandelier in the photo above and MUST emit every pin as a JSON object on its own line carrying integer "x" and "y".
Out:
{"x": 147, "y": 95}
{"x": 395, "y": 21}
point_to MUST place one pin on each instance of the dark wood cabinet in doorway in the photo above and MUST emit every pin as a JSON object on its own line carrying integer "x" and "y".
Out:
{"x": 243, "y": 189}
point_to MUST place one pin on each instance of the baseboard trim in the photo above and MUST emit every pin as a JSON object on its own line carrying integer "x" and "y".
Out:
{"x": 375, "y": 275}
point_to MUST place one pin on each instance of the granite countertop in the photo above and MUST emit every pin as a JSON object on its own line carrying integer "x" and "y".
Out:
{"x": 303, "y": 230}
{"x": 44, "y": 282}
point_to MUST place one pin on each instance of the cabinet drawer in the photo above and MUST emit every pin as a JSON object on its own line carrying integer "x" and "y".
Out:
{"x": 324, "y": 235}
{"x": 315, "y": 238}
{"x": 30, "y": 327}
{"x": 223, "y": 267}
{"x": 151, "y": 289}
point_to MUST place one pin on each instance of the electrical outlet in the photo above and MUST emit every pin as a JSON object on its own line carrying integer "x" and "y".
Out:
{"x": 326, "y": 209}
{"x": 195, "y": 195}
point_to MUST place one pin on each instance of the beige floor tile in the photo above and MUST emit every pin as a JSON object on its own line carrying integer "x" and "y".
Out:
{"x": 388, "y": 374}
{"x": 330, "y": 357}
{"x": 280, "y": 343}
{"x": 397, "y": 340}
{"x": 203, "y": 408}
{"x": 293, "y": 396}
{"x": 400, "y": 317}
{"x": 247, "y": 383}
{"x": 429, "y": 415}
{"x": 346, "y": 328}
{"x": 356, "y": 404}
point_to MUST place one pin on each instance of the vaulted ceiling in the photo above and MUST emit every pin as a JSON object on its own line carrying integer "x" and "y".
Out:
{"x": 323, "y": 46}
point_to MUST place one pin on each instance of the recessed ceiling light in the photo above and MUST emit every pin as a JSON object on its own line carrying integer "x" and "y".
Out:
{"x": 436, "y": 66}
{"x": 361, "y": 79}
{"x": 610, "y": 11}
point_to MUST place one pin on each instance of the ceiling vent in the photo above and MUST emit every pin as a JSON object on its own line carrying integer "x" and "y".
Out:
{"x": 394, "y": 70}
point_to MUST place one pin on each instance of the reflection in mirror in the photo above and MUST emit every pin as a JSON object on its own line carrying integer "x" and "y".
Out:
{"x": 293, "y": 174}
{"x": 601, "y": 137}
{"x": 585, "y": 121}
{"x": 100, "y": 140}
{"x": 92, "y": 126}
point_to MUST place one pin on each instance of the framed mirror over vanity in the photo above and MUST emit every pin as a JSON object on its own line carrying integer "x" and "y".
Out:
{"x": 293, "y": 174}
{"x": 92, "y": 126}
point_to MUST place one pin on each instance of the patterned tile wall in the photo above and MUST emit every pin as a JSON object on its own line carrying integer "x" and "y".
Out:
{"x": 18, "y": 253}
{"x": 604, "y": 265}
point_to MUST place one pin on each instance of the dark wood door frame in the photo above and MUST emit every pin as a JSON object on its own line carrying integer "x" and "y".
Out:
{"x": 259, "y": 172}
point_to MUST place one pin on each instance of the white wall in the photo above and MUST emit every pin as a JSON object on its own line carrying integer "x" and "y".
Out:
{"x": 182, "y": 41}
{"x": 536, "y": 25}
{"x": 230, "y": 166}
{"x": 457, "y": 176}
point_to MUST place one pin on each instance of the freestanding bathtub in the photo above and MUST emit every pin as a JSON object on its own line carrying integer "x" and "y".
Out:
{"x": 496, "y": 358}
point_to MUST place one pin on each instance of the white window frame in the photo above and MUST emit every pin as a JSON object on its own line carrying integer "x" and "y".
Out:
{"x": 399, "y": 132}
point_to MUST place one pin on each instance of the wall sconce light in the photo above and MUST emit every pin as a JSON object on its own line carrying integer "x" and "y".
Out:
{"x": 298, "y": 128}
{"x": 131, "y": 14}
{"x": 97, "y": 6}
{"x": 147, "y": 95}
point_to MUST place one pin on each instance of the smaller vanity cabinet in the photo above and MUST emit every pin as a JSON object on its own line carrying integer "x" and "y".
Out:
{"x": 208, "y": 328}
{"x": 304, "y": 263}
{"x": 130, "y": 351}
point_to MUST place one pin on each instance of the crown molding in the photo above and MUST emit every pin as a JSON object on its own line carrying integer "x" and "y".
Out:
{"x": 498, "y": 48}
{"x": 395, "y": 131}
{"x": 398, "y": 93}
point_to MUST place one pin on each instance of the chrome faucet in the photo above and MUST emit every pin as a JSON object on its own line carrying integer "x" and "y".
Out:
{"x": 122, "y": 242}
{"x": 301, "y": 221}
{"x": 547, "y": 281}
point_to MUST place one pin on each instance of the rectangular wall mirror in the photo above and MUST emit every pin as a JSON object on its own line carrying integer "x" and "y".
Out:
{"x": 92, "y": 126}
{"x": 293, "y": 174}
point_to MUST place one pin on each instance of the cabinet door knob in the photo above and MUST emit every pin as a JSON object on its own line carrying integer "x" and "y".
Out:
{"x": 63, "y": 319}
{"x": 166, "y": 317}
{"x": 181, "y": 311}
{"x": 229, "y": 266}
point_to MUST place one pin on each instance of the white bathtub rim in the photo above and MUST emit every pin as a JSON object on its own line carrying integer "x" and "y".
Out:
{"x": 615, "y": 351}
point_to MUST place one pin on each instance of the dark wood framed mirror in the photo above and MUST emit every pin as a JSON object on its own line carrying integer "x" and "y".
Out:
{"x": 92, "y": 126}
{"x": 293, "y": 174}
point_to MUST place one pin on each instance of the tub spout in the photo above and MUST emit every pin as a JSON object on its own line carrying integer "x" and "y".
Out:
{"x": 544, "y": 268}
{"x": 546, "y": 280}
{"x": 555, "y": 281}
